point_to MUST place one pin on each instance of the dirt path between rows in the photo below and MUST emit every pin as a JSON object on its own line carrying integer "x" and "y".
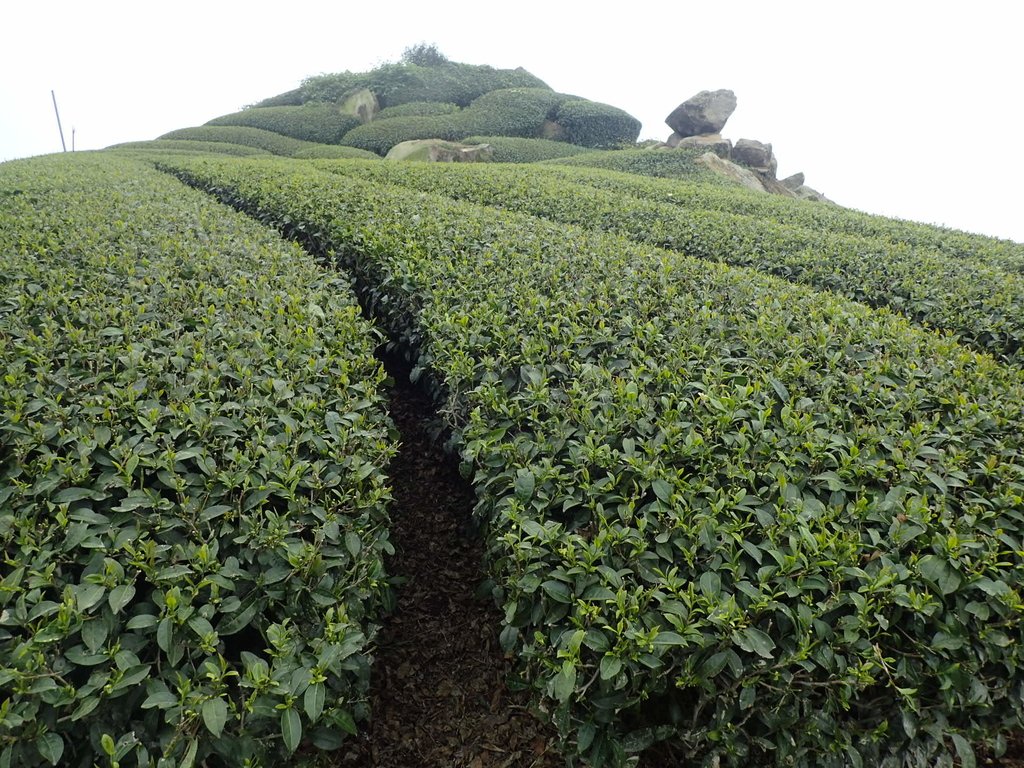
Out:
{"x": 439, "y": 695}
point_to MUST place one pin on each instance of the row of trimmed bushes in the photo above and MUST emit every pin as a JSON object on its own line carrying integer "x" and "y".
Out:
{"x": 766, "y": 523}
{"x": 518, "y": 112}
{"x": 188, "y": 146}
{"x": 193, "y": 499}
{"x": 274, "y": 143}
{"x": 401, "y": 83}
{"x": 316, "y": 122}
{"x": 675, "y": 164}
{"x": 678, "y": 164}
{"x": 981, "y": 303}
{"x": 512, "y": 149}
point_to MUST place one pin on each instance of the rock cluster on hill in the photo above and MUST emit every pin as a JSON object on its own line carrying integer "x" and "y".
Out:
{"x": 698, "y": 122}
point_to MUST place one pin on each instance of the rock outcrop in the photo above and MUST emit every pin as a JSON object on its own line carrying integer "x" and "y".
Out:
{"x": 707, "y": 112}
{"x": 755, "y": 155}
{"x": 698, "y": 122}
{"x": 440, "y": 151}
{"x": 793, "y": 182}
{"x": 362, "y": 104}
{"x": 710, "y": 141}
{"x": 806, "y": 193}
{"x": 732, "y": 171}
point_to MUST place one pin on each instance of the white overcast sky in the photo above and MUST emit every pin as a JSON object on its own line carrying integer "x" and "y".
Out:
{"x": 903, "y": 107}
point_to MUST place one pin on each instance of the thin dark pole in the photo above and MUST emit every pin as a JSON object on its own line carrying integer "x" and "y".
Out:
{"x": 72, "y": 138}
{"x": 62, "y": 144}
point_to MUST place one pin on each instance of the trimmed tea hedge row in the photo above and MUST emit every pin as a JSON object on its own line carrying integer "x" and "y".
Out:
{"x": 591, "y": 124}
{"x": 520, "y": 112}
{"x": 984, "y": 304}
{"x": 735, "y": 199}
{"x": 275, "y": 143}
{"x": 766, "y": 523}
{"x": 417, "y": 109}
{"x": 675, "y": 164}
{"x": 190, "y": 147}
{"x": 320, "y": 123}
{"x": 192, "y": 478}
{"x": 395, "y": 84}
{"x": 510, "y": 149}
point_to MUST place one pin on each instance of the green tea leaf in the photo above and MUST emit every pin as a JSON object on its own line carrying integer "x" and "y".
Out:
{"x": 50, "y": 747}
{"x": 215, "y": 715}
{"x": 662, "y": 489}
{"x": 755, "y": 641}
{"x": 291, "y": 729}
{"x": 87, "y": 595}
{"x": 610, "y": 666}
{"x": 964, "y": 751}
{"x": 120, "y": 596}
{"x": 557, "y": 591}
{"x": 241, "y": 618}
{"x": 313, "y": 701}
{"x": 666, "y": 639}
{"x": 189, "y": 758}
{"x": 69, "y": 495}
{"x": 525, "y": 485}
{"x": 353, "y": 543}
{"x": 565, "y": 682}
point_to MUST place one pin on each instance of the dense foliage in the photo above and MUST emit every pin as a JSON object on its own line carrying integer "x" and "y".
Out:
{"x": 990, "y": 250}
{"x": 675, "y": 164}
{"x": 320, "y": 123}
{"x": 271, "y": 142}
{"x": 192, "y": 487}
{"x": 982, "y": 303}
{"x": 515, "y": 112}
{"x": 512, "y": 149}
{"x": 417, "y": 109}
{"x": 408, "y": 82}
{"x": 190, "y": 147}
{"x": 764, "y": 522}
{"x": 591, "y": 124}
{"x": 379, "y": 136}
{"x": 424, "y": 55}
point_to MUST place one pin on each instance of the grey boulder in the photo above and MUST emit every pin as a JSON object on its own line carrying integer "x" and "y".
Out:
{"x": 707, "y": 112}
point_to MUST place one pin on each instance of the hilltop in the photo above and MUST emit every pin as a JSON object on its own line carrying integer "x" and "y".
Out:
{"x": 426, "y": 107}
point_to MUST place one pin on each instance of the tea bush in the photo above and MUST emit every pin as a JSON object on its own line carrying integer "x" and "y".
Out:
{"x": 268, "y": 141}
{"x": 511, "y": 112}
{"x": 379, "y": 136}
{"x": 317, "y": 122}
{"x": 190, "y": 147}
{"x": 516, "y": 112}
{"x": 591, "y": 124}
{"x": 401, "y": 83}
{"x": 767, "y": 523}
{"x": 984, "y": 304}
{"x": 511, "y": 149}
{"x": 675, "y": 164}
{"x": 418, "y": 109}
{"x": 192, "y": 478}
{"x": 989, "y": 250}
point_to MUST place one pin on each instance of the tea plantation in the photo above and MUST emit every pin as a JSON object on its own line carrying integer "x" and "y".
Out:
{"x": 749, "y": 471}
{"x": 193, "y": 490}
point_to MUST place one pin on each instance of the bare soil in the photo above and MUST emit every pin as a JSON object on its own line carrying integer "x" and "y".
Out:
{"x": 440, "y": 695}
